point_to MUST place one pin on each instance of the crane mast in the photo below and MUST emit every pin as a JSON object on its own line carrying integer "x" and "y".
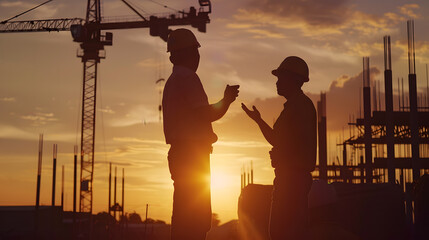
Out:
{"x": 88, "y": 32}
{"x": 91, "y": 47}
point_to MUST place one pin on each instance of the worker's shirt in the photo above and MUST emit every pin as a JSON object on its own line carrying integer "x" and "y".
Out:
{"x": 183, "y": 94}
{"x": 295, "y": 136}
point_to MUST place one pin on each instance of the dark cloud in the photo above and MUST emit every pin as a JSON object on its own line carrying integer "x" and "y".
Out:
{"x": 342, "y": 99}
{"x": 313, "y": 12}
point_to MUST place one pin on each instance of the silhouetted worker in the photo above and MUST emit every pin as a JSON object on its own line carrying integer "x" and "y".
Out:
{"x": 293, "y": 155}
{"x": 188, "y": 129}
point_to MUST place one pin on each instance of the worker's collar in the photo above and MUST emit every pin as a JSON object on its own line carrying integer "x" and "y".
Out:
{"x": 183, "y": 69}
{"x": 294, "y": 96}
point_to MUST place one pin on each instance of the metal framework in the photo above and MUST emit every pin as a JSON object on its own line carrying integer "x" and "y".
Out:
{"x": 88, "y": 134}
{"x": 49, "y": 25}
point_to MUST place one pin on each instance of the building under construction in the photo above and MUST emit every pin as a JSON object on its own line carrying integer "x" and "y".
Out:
{"x": 391, "y": 145}
{"x": 378, "y": 179}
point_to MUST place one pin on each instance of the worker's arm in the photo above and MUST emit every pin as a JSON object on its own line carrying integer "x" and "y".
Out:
{"x": 215, "y": 111}
{"x": 255, "y": 115}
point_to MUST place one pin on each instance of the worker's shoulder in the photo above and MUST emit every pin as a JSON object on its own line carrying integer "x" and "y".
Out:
{"x": 181, "y": 73}
{"x": 180, "y": 79}
{"x": 305, "y": 102}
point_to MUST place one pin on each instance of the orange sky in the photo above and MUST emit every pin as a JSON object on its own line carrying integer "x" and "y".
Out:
{"x": 40, "y": 89}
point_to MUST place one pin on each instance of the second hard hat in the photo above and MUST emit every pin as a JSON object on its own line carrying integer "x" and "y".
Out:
{"x": 295, "y": 65}
{"x": 180, "y": 39}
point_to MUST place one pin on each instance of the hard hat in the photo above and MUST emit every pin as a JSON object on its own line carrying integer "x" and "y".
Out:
{"x": 180, "y": 39}
{"x": 295, "y": 65}
{"x": 321, "y": 194}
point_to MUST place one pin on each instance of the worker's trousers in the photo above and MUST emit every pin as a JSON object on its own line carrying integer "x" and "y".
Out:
{"x": 190, "y": 170}
{"x": 288, "y": 218}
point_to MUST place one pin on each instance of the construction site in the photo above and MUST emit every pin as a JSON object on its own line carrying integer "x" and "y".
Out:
{"x": 379, "y": 172}
{"x": 378, "y": 176}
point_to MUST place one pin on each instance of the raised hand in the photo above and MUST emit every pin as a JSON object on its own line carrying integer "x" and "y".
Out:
{"x": 231, "y": 93}
{"x": 255, "y": 114}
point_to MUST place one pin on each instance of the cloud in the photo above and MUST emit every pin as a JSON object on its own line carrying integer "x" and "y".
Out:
{"x": 314, "y": 18}
{"x": 341, "y": 81}
{"x": 313, "y": 12}
{"x": 149, "y": 63}
{"x": 363, "y": 49}
{"x": 257, "y": 31}
{"x": 421, "y": 49}
{"x": 343, "y": 99}
{"x": 138, "y": 140}
{"x": 11, "y": 132}
{"x": 106, "y": 110}
{"x": 43, "y": 12}
{"x": 40, "y": 118}
{"x": 7, "y": 99}
{"x": 14, "y": 4}
{"x": 136, "y": 115}
{"x": 47, "y": 11}
{"x": 408, "y": 10}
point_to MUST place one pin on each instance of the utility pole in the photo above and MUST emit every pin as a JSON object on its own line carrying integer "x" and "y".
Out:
{"x": 54, "y": 173}
{"x": 74, "y": 188}
{"x": 145, "y": 222}
{"x": 367, "y": 119}
{"x": 390, "y": 127}
{"x": 412, "y": 88}
{"x": 110, "y": 188}
{"x": 123, "y": 192}
{"x": 39, "y": 175}
{"x": 62, "y": 188}
{"x": 39, "y": 171}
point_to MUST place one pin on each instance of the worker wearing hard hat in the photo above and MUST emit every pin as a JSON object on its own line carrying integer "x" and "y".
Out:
{"x": 293, "y": 156}
{"x": 188, "y": 118}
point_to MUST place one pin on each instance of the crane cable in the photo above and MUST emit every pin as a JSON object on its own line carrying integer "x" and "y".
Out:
{"x": 102, "y": 115}
{"x": 31, "y": 9}
{"x": 165, "y": 6}
{"x": 79, "y": 112}
{"x": 160, "y": 4}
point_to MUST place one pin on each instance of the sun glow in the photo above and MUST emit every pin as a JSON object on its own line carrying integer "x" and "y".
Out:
{"x": 220, "y": 181}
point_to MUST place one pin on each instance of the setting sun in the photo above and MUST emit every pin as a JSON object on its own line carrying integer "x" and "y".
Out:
{"x": 220, "y": 181}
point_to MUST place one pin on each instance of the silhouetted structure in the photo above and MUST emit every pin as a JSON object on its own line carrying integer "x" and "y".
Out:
{"x": 322, "y": 137}
{"x": 246, "y": 176}
{"x": 372, "y": 212}
{"x": 391, "y": 146}
{"x": 88, "y": 32}
{"x": 54, "y": 172}
{"x": 254, "y": 206}
{"x": 402, "y": 133}
{"x": 116, "y": 207}
{"x": 20, "y": 222}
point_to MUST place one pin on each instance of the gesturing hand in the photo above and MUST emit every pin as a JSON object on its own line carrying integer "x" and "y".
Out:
{"x": 255, "y": 114}
{"x": 231, "y": 93}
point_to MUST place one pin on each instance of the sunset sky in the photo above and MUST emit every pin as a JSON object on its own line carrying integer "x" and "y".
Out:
{"x": 41, "y": 81}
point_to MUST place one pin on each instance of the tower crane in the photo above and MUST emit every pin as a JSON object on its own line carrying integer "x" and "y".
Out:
{"x": 89, "y": 33}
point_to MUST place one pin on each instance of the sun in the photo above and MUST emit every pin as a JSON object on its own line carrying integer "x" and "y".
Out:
{"x": 220, "y": 181}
